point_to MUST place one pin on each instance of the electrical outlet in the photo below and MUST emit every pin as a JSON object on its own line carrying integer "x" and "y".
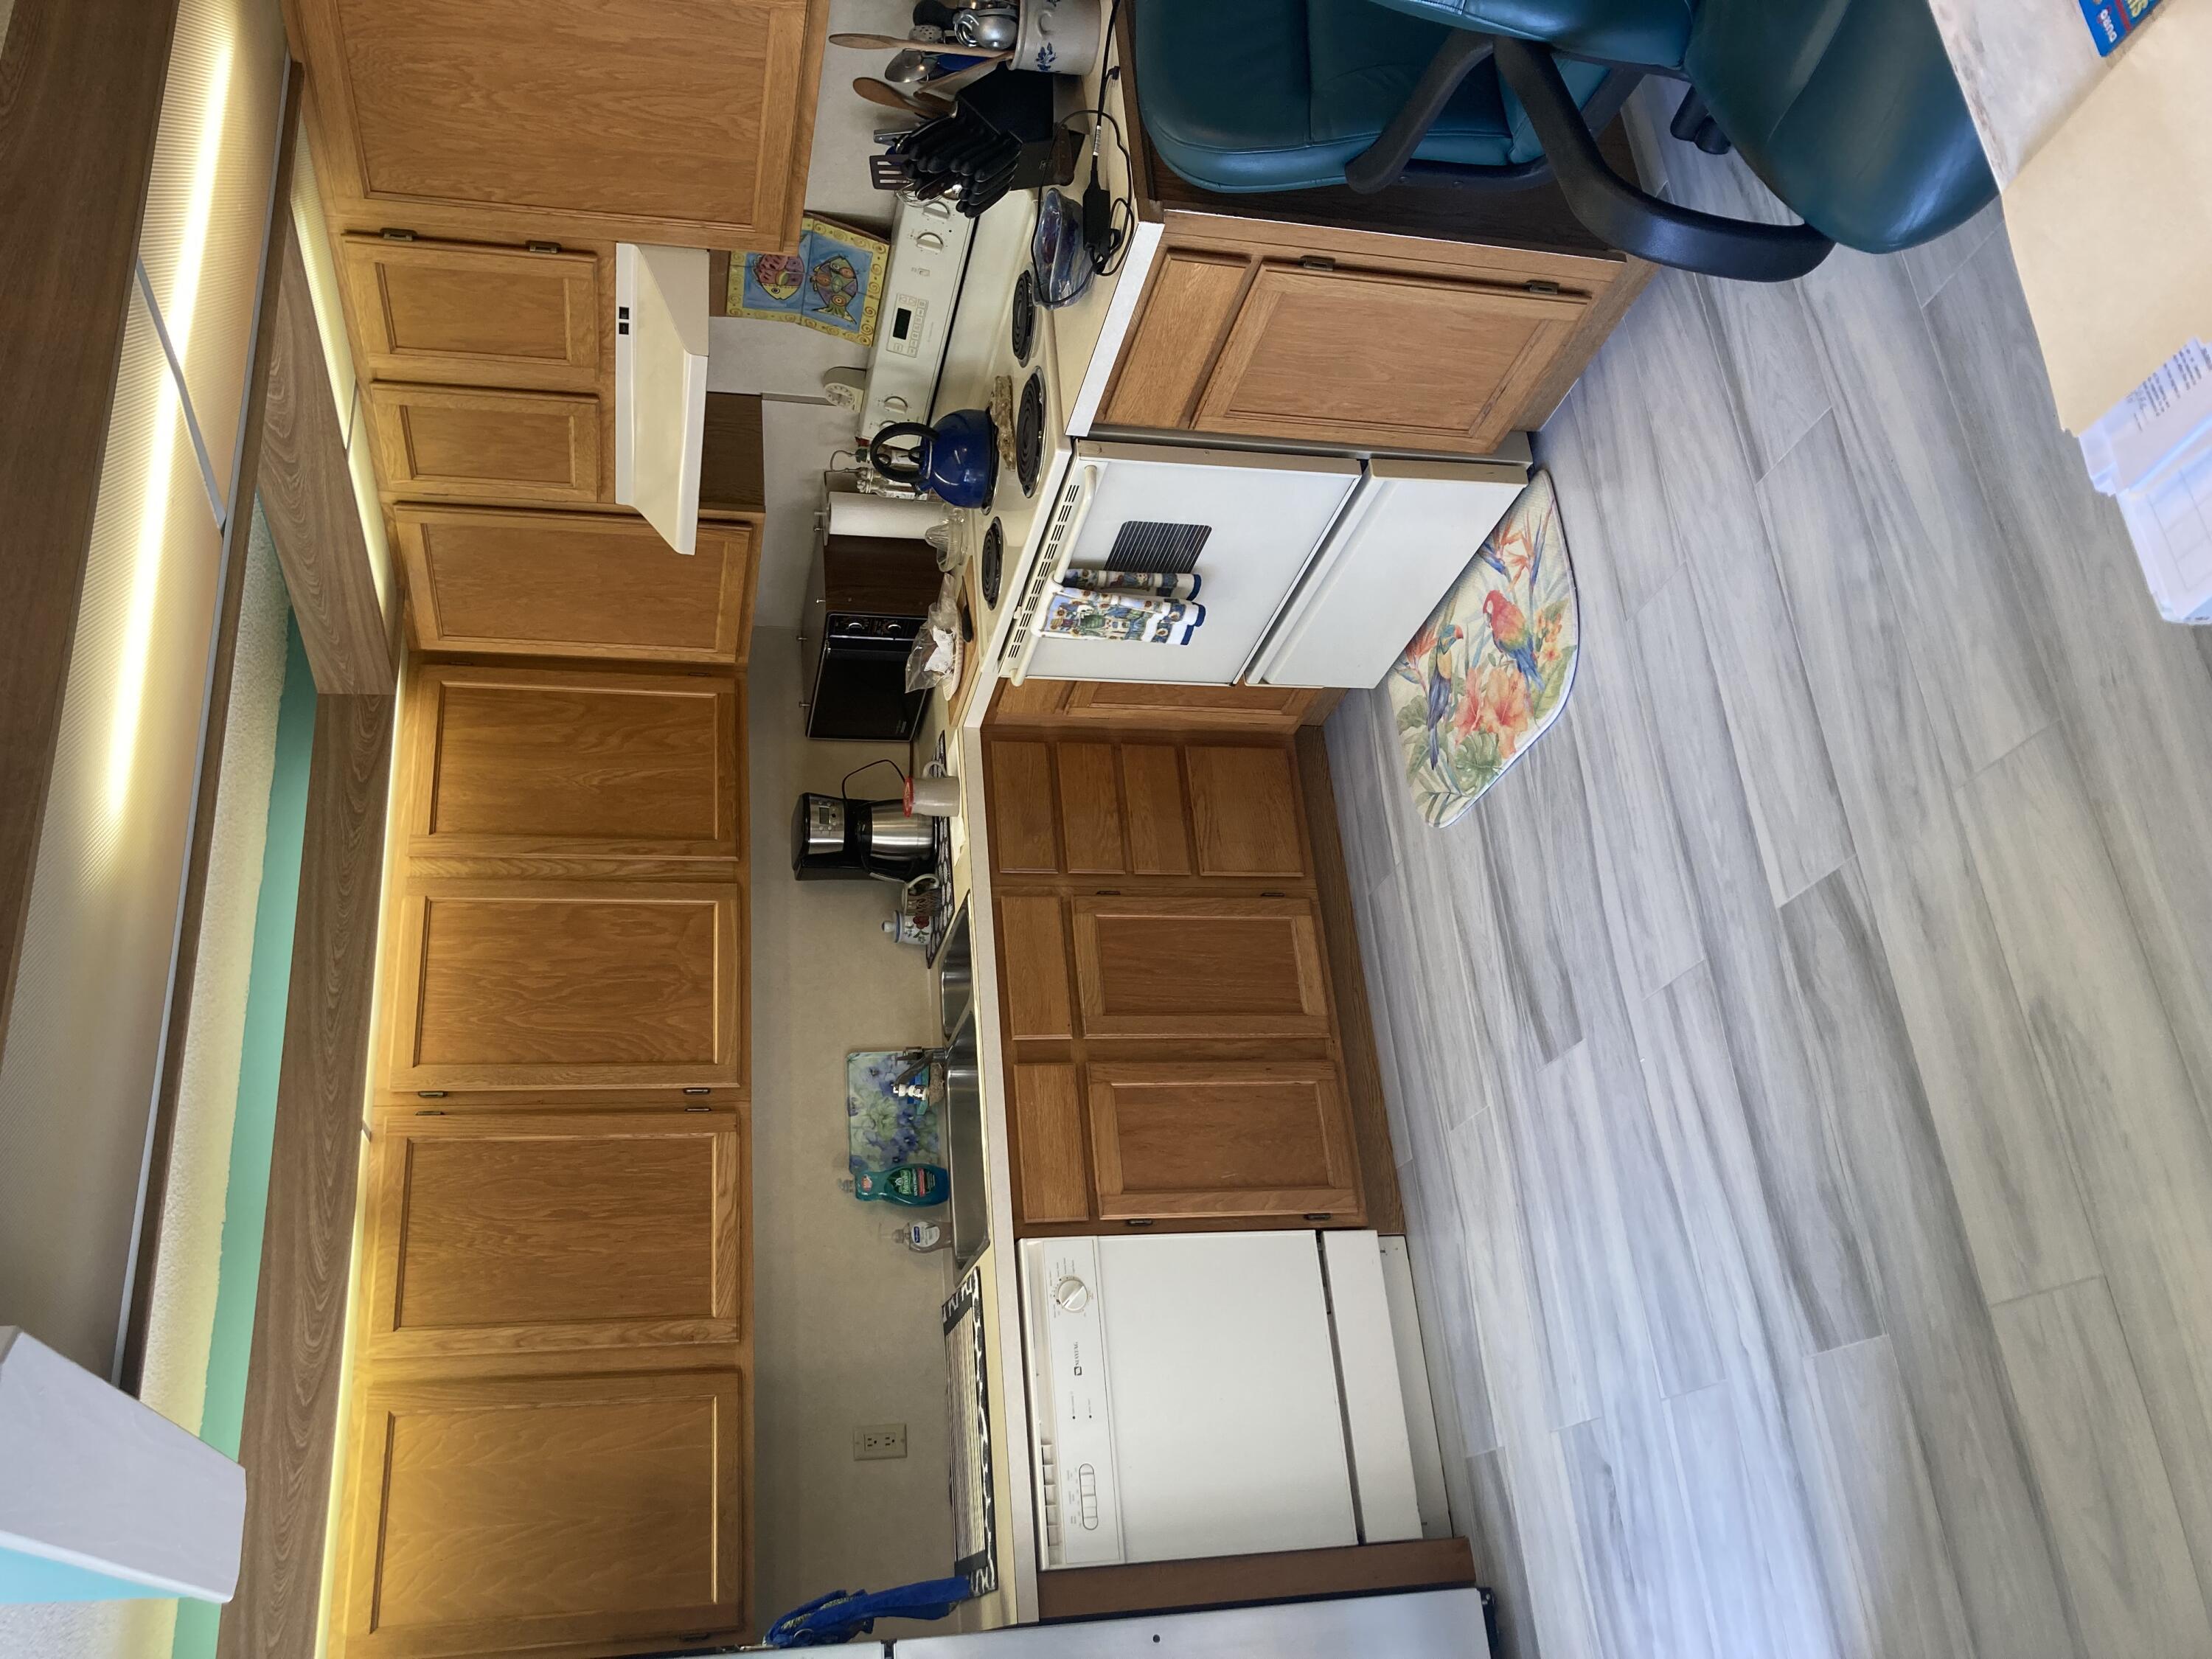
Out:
{"x": 872, "y": 1440}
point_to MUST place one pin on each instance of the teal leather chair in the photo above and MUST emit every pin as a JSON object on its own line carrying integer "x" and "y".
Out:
{"x": 1847, "y": 110}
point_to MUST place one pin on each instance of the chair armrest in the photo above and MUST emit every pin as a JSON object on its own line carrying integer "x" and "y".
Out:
{"x": 1630, "y": 219}
{"x": 1382, "y": 162}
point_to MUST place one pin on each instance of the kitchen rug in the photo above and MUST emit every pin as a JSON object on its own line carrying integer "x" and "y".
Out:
{"x": 1491, "y": 669}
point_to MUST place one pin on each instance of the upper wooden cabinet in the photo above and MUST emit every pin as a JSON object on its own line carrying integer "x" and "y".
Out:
{"x": 1211, "y": 968}
{"x": 461, "y": 314}
{"x": 600, "y": 585}
{"x": 566, "y": 763}
{"x": 680, "y": 121}
{"x": 1333, "y": 337}
{"x": 498, "y": 1515}
{"x": 515, "y": 984}
{"x": 560, "y": 1230}
{"x": 478, "y": 443}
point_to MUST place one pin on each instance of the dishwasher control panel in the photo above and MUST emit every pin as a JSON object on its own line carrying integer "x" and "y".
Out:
{"x": 1072, "y": 1449}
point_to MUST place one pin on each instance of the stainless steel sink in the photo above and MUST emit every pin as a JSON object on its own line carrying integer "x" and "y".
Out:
{"x": 955, "y": 975}
{"x": 962, "y": 1120}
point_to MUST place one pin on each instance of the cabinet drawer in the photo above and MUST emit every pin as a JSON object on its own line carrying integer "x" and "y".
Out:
{"x": 562, "y": 762}
{"x": 574, "y": 585}
{"x": 1187, "y": 1138}
{"x": 1199, "y": 968}
{"x": 511, "y": 984}
{"x": 473, "y": 443}
{"x": 496, "y": 1514}
{"x": 553, "y": 1230}
{"x": 458, "y": 314}
{"x": 1382, "y": 357}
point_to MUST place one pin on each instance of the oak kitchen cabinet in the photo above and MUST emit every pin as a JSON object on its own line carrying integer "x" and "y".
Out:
{"x": 522, "y": 983}
{"x": 550, "y": 1230}
{"x": 1340, "y": 338}
{"x": 571, "y": 763}
{"x": 686, "y": 122}
{"x": 599, "y": 585}
{"x": 469, "y": 313}
{"x": 1172, "y": 1045}
{"x": 517, "y": 1512}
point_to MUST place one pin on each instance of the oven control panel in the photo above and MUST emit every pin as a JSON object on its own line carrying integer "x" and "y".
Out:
{"x": 1072, "y": 1449}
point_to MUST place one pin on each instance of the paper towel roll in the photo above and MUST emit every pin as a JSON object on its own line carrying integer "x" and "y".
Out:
{"x": 852, "y": 513}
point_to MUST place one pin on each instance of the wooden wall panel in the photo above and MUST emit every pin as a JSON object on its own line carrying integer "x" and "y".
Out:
{"x": 294, "y": 1376}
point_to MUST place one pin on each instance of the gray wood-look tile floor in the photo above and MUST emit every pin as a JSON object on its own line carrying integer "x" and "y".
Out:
{"x": 1801, "y": 1064}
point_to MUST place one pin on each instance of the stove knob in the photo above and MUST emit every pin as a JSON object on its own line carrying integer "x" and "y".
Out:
{"x": 1071, "y": 1295}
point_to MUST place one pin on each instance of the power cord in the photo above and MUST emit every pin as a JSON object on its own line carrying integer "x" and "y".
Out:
{"x": 1107, "y": 219}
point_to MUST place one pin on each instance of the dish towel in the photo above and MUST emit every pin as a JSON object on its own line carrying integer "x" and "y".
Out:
{"x": 1124, "y": 604}
{"x": 1491, "y": 670}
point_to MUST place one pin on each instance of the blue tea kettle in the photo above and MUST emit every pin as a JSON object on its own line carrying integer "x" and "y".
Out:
{"x": 957, "y": 460}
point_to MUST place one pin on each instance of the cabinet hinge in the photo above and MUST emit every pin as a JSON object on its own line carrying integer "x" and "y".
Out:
{"x": 391, "y": 234}
{"x": 430, "y": 1094}
{"x": 1316, "y": 262}
{"x": 1541, "y": 288}
{"x": 541, "y": 247}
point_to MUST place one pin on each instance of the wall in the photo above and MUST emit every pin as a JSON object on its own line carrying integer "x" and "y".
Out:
{"x": 784, "y": 361}
{"x": 847, "y": 1324}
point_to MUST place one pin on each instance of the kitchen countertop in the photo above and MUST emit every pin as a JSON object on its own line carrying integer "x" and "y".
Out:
{"x": 1083, "y": 339}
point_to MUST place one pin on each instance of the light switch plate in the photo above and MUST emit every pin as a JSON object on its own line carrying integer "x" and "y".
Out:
{"x": 873, "y": 1440}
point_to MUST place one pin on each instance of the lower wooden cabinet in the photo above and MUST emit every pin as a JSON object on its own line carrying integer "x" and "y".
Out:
{"x": 1225, "y": 1138}
{"x": 493, "y": 1233}
{"x": 574, "y": 984}
{"x": 1182, "y": 1140}
{"x": 1154, "y": 966}
{"x": 601, "y": 585}
{"x": 495, "y": 1514}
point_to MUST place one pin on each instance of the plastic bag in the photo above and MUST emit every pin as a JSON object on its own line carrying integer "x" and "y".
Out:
{"x": 935, "y": 659}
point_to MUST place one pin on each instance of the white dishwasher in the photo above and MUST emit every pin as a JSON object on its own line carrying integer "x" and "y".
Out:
{"x": 1214, "y": 1394}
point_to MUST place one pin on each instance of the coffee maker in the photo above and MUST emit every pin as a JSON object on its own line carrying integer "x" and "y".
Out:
{"x": 837, "y": 838}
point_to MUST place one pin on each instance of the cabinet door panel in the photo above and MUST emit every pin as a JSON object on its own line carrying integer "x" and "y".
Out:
{"x": 1187, "y": 707}
{"x": 1048, "y": 1133}
{"x": 574, "y": 585}
{"x": 463, "y": 314}
{"x": 1244, "y": 807}
{"x": 1188, "y": 309}
{"x": 1033, "y": 959}
{"x": 560, "y": 762}
{"x": 474, "y": 443}
{"x": 1023, "y": 838}
{"x": 1199, "y": 968}
{"x": 553, "y": 1230}
{"x": 1159, "y": 839}
{"x": 1443, "y": 365}
{"x": 494, "y": 1514}
{"x": 567, "y": 984}
{"x": 1190, "y": 1138}
{"x": 1090, "y": 809}
{"x": 684, "y": 121}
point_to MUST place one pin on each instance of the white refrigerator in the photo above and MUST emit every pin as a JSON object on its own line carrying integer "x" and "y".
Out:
{"x": 1314, "y": 570}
